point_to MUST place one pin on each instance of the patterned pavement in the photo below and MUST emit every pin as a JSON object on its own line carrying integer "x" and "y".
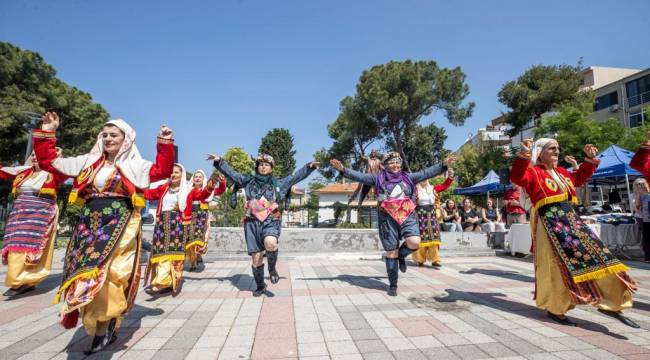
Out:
{"x": 335, "y": 308}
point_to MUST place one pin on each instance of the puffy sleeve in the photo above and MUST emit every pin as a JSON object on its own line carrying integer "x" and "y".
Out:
{"x": 163, "y": 167}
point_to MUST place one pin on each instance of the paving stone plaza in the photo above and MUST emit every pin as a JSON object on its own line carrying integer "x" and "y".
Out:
{"x": 334, "y": 307}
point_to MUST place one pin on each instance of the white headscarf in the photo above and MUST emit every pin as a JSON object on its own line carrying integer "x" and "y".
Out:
{"x": 536, "y": 151}
{"x": 128, "y": 159}
{"x": 538, "y": 146}
{"x": 205, "y": 183}
{"x": 184, "y": 188}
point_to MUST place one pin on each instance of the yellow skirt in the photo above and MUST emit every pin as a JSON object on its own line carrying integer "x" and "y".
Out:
{"x": 166, "y": 274}
{"x": 429, "y": 253}
{"x": 112, "y": 293}
{"x": 20, "y": 272}
{"x": 552, "y": 294}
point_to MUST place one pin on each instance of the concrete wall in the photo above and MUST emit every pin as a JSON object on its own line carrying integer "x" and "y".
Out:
{"x": 301, "y": 239}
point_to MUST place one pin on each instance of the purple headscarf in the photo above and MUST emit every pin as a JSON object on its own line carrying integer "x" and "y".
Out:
{"x": 387, "y": 177}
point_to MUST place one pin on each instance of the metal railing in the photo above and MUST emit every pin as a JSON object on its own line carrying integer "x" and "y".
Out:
{"x": 638, "y": 99}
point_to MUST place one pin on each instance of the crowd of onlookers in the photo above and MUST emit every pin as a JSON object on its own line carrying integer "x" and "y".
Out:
{"x": 488, "y": 219}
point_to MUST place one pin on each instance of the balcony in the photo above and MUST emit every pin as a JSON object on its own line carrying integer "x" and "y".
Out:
{"x": 637, "y": 100}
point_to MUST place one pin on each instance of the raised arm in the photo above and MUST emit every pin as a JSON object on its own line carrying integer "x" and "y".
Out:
{"x": 427, "y": 173}
{"x": 221, "y": 165}
{"x": 521, "y": 173}
{"x": 164, "y": 165}
{"x": 221, "y": 186}
{"x": 154, "y": 194}
{"x": 286, "y": 183}
{"x": 580, "y": 176}
{"x": 447, "y": 183}
{"x": 202, "y": 194}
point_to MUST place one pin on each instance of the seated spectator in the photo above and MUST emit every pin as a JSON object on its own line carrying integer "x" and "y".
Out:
{"x": 469, "y": 219}
{"x": 491, "y": 219}
{"x": 450, "y": 217}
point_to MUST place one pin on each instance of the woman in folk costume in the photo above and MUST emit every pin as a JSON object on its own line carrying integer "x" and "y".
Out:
{"x": 102, "y": 269}
{"x": 572, "y": 266}
{"x": 396, "y": 193}
{"x": 264, "y": 194}
{"x": 165, "y": 268}
{"x": 197, "y": 231}
{"x": 429, "y": 213}
{"x": 31, "y": 226}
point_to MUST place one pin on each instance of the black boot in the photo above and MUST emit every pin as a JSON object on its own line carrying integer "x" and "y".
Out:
{"x": 391, "y": 270}
{"x": 620, "y": 317}
{"x": 272, "y": 258}
{"x": 258, "y": 274}
{"x": 97, "y": 345}
{"x": 111, "y": 334}
{"x": 404, "y": 251}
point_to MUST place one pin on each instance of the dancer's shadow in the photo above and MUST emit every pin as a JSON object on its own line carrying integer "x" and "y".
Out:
{"x": 510, "y": 275}
{"x": 366, "y": 282}
{"x": 243, "y": 282}
{"x": 80, "y": 341}
{"x": 51, "y": 282}
{"x": 499, "y": 301}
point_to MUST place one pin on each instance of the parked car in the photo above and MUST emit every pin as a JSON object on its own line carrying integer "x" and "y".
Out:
{"x": 329, "y": 223}
{"x": 602, "y": 207}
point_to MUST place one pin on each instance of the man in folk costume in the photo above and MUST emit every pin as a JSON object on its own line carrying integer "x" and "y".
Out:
{"x": 395, "y": 191}
{"x": 373, "y": 166}
{"x": 197, "y": 231}
{"x": 30, "y": 232}
{"x": 572, "y": 266}
{"x": 101, "y": 271}
{"x": 165, "y": 268}
{"x": 429, "y": 214}
{"x": 263, "y": 220}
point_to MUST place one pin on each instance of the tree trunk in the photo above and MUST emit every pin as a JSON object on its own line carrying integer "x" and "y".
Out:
{"x": 397, "y": 135}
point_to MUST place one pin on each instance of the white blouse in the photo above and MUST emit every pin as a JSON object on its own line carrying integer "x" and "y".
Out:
{"x": 103, "y": 175}
{"x": 426, "y": 195}
{"x": 34, "y": 183}
{"x": 170, "y": 200}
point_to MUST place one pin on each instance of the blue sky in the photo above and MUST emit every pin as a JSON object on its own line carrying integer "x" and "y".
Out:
{"x": 223, "y": 73}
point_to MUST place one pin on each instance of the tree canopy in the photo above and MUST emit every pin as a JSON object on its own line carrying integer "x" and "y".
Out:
{"x": 279, "y": 144}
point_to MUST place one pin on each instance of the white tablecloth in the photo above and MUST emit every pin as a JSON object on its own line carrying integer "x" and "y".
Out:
{"x": 619, "y": 235}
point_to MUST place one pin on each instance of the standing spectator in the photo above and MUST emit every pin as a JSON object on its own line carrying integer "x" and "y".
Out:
{"x": 515, "y": 213}
{"x": 642, "y": 208}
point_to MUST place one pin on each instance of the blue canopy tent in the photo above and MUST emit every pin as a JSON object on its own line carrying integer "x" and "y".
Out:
{"x": 614, "y": 168}
{"x": 490, "y": 183}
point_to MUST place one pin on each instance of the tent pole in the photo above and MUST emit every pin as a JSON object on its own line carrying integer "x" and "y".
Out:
{"x": 627, "y": 185}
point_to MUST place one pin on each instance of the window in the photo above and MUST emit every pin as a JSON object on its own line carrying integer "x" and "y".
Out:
{"x": 638, "y": 91}
{"x": 606, "y": 101}
{"x": 636, "y": 119}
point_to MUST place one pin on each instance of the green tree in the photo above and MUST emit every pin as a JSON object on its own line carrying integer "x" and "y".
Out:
{"x": 239, "y": 160}
{"x": 352, "y": 131}
{"x": 397, "y": 95}
{"x": 279, "y": 144}
{"x": 425, "y": 146}
{"x": 475, "y": 162}
{"x": 312, "y": 202}
{"x": 28, "y": 88}
{"x": 225, "y": 215}
{"x": 572, "y": 128}
{"x": 541, "y": 89}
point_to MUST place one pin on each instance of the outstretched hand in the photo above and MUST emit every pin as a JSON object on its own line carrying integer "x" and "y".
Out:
{"x": 571, "y": 161}
{"x": 337, "y": 164}
{"x": 50, "y": 121}
{"x": 526, "y": 145}
{"x": 450, "y": 160}
{"x": 213, "y": 157}
{"x": 314, "y": 164}
{"x": 165, "y": 132}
